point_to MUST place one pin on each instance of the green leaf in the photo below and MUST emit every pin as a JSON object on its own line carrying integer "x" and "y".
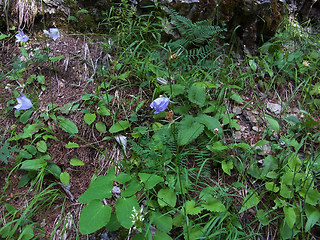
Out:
{"x": 191, "y": 208}
{"x": 271, "y": 186}
{"x": 76, "y": 162}
{"x": 124, "y": 209}
{"x": 273, "y": 123}
{"x": 54, "y": 169}
{"x": 101, "y": 127}
{"x": 188, "y": 130}
{"x": 119, "y": 126}
{"x": 150, "y": 180}
{"x": 103, "y": 111}
{"x": 177, "y": 89}
{"x": 42, "y": 146}
{"x": 72, "y": 145}
{"x": 89, "y": 118}
{"x": 67, "y": 125}
{"x": 27, "y": 233}
{"x": 237, "y": 98}
{"x": 162, "y": 222}
{"x": 313, "y": 216}
{"x": 34, "y": 164}
{"x": 54, "y": 59}
{"x": 289, "y": 216}
{"x": 263, "y": 217}
{"x": 270, "y": 163}
{"x": 227, "y": 166}
{"x": 25, "y": 116}
{"x": 211, "y": 123}
{"x": 214, "y": 205}
{"x": 65, "y": 178}
{"x": 197, "y": 95}
{"x": 41, "y": 79}
{"x": 166, "y": 197}
{"x": 133, "y": 187}
{"x": 82, "y": 11}
{"x": 100, "y": 188}
{"x": 249, "y": 201}
{"x": 253, "y": 65}
{"x": 161, "y": 236}
{"x": 93, "y": 217}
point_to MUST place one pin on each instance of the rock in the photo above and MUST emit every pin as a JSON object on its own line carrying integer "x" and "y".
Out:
{"x": 274, "y": 107}
{"x": 255, "y": 128}
{"x": 237, "y": 110}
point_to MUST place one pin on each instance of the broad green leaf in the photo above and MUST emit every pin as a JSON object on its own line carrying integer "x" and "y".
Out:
{"x": 166, "y": 197}
{"x": 103, "y": 111}
{"x": 89, "y": 118}
{"x": 76, "y": 162}
{"x": 124, "y": 209}
{"x": 211, "y": 123}
{"x": 100, "y": 188}
{"x": 67, "y": 125}
{"x": 72, "y": 145}
{"x": 237, "y": 98}
{"x": 94, "y": 216}
{"x": 133, "y": 187}
{"x": 101, "y": 127}
{"x": 249, "y": 201}
{"x": 177, "y": 89}
{"x": 263, "y": 217}
{"x": 27, "y": 233}
{"x": 270, "y": 163}
{"x": 216, "y": 147}
{"x": 227, "y": 166}
{"x": 294, "y": 162}
{"x": 56, "y": 58}
{"x": 150, "y": 180}
{"x": 214, "y": 205}
{"x": 34, "y": 164}
{"x": 65, "y": 178}
{"x": 25, "y": 116}
{"x": 162, "y": 222}
{"x": 188, "y": 130}
{"x": 273, "y": 123}
{"x": 271, "y": 186}
{"x": 313, "y": 216}
{"x": 119, "y": 126}
{"x": 289, "y": 216}
{"x": 197, "y": 95}
{"x": 161, "y": 236}
{"x": 41, "y": 79}
{"x": 191, "y": 208}
{"x": 54, "y": 169}
{"x": 31, "y": 149}
{"x": 253, "y": 65}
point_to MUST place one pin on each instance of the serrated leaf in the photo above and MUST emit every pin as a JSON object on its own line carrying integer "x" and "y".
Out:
{"x": 197, "y": 95}
{"x": 150, "y": 180}
{"x": 93, "y": 217}
{"x": 101, "y": 127}
{"x": 188, "y": 130}
{"x": 227, "y": 166}
{"x": 124, "y": 209}
{"x": 67, "y": 125}
{"x": 166, "y": 197}
{"x": 192, "y": 209}
{"x": 76, "y": 162}
{"x": 65, "y": 178}
{"x": 72, "y": 145}
{"x": 89, "y": 118}
{"x": 214, "y": 205}
{"x": 119, "y": 126}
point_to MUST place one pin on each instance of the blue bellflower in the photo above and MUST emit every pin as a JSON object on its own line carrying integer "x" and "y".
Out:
{"x": 54, "y": 33}
{"x": 21, "y": 37}
{"x": 160, "y": 104}
{"x": 24, "y": 103}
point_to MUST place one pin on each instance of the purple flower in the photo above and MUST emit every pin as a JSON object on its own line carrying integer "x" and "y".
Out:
{"x": 160, "y": 104}
{"x": 54, "y": 33}
{"x": 21, "y": 37}
{"x": 24, "y": 103}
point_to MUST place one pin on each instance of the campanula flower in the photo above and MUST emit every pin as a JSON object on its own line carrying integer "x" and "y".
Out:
{"x": 54, "y": 33}
{"x": 21, "y": 37}
{"x": 24, "y": 103}
{"x": 160, "y": 104}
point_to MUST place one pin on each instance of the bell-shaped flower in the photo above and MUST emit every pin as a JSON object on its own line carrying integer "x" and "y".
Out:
{"x": 54, "y": 33}
{"x": 160, "y": 104}
{"x": 21, "y": 37}
{"x": 24, "y": 103}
